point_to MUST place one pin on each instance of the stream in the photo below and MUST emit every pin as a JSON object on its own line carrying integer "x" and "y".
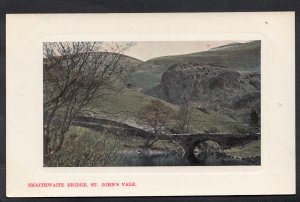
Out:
{"x": 162, "y": 158}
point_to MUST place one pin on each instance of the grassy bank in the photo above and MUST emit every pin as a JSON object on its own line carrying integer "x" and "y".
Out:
{"x": 126, "y": 105}
{"x": 249, "y": 150}
{"x": 85, "y": 147}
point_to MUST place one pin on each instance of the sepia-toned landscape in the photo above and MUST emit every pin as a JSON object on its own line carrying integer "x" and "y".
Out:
{"x": 151, "y": 103}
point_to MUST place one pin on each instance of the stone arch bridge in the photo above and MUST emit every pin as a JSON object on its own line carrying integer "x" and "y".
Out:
{"x": 188, "y": 142}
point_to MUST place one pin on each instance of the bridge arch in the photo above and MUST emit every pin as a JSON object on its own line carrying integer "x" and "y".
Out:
{"x": 201, "y": 150}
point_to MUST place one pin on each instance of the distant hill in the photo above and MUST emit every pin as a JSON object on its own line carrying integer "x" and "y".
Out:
{"x": 129, "y": 62}
{"x": 237, "y": 56}
{"x": 133, "y": 62}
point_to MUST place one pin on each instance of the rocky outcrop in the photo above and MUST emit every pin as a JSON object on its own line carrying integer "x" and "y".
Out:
{"x": 234, "y": 93}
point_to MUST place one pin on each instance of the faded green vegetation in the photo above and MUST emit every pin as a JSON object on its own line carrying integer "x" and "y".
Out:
{"x": 148, "y": 74}
{"x": 123, "y": 102}
{"x": 85, "y": 147}
{"x": 249, "y": 150}
{"x": 127, "y": 105}
{"x": 213, "y": 122}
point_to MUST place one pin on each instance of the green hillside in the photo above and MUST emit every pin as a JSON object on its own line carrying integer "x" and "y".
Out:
{"x": 239, "y": 57}
{"x": 126, "y": 105}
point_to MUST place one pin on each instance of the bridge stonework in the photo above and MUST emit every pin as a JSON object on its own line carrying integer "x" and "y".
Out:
{"x": 189, "y": 142}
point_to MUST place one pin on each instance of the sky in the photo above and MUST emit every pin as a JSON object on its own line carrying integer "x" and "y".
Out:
{"x": 151, "y": 49}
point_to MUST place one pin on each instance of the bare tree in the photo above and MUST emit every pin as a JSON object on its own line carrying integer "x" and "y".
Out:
{"x": 74, "y": 73}
{"x": 183, "y": 117}
{"x": 155, "y": 115}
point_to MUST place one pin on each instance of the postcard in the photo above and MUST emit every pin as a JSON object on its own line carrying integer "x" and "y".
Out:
{"x": 150, "y": 104}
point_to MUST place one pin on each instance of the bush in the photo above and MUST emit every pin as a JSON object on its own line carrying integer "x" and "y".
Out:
{"x": 84, "y": 148}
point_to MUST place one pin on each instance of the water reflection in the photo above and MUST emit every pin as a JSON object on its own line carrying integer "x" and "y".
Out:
{"x": 161, "y": 158}
{"x": 150, "y": 158}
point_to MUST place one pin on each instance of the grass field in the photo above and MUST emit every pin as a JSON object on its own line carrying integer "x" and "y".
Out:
{"x": 249, "y": 150}
{"x": 127, "y": 104}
